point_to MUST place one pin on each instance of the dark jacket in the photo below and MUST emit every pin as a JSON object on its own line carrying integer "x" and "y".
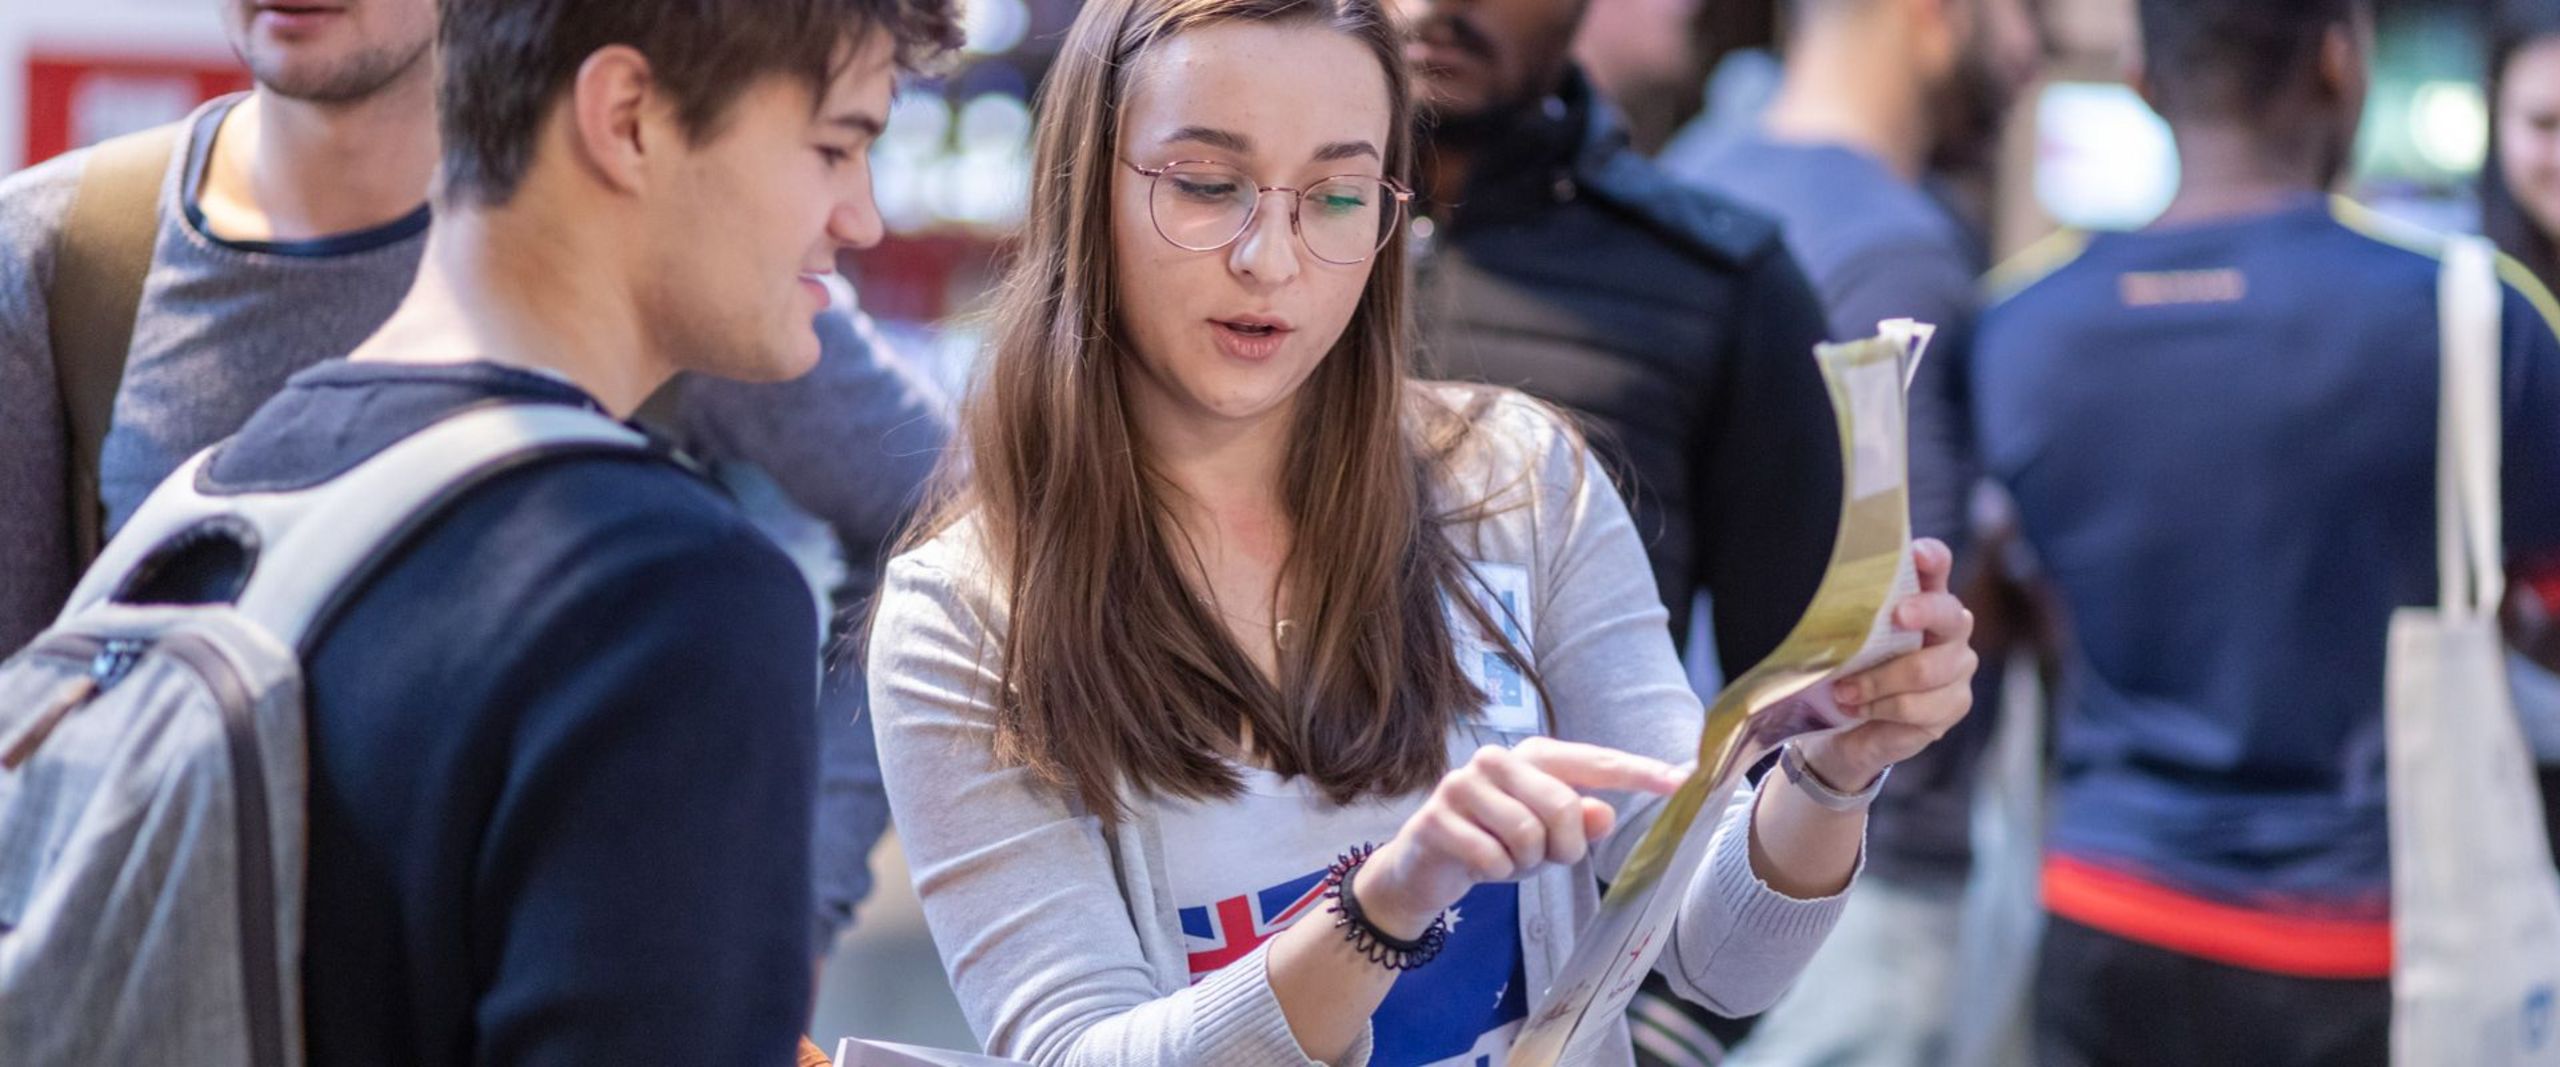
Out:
{"x": 562, "y": 753}
{"x": 1677, "y": 327}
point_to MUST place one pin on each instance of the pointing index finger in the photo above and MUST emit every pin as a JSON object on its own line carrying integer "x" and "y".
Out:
{"x": 1587, "y": 767}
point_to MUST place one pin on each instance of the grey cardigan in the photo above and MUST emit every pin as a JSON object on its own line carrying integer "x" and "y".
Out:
{"x": 1060, "y": 935}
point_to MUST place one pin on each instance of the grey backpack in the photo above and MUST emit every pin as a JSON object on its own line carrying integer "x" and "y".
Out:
{"x": 152, "y": 764}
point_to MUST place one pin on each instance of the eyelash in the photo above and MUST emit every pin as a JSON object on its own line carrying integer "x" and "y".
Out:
{"x": 834, "y": 157}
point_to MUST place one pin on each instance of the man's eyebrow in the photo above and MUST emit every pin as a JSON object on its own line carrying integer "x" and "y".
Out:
{"x": 858, "y": 122}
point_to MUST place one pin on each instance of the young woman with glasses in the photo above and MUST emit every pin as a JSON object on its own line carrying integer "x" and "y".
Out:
{"x": 1219, "y": 598}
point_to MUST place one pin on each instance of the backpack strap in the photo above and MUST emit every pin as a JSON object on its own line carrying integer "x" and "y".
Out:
{"x": 100, "y": 259}
{"x": 314, "y": 545}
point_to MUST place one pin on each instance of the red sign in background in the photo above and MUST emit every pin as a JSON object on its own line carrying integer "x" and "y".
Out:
{"x": 74, "y": 100}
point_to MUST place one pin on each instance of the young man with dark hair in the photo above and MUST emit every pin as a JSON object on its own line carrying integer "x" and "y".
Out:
{"x": 283, "y": 225}
{"x": 2221, "y": 435}
{"x": 1551, "y": 257}
{"x": 560, "y": 742}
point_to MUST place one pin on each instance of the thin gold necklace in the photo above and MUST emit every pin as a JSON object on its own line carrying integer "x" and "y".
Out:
{"x": 1279, "y": 627}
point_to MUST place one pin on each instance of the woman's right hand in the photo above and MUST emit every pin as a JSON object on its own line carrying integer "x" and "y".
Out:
{"x": 1498, "y": 818}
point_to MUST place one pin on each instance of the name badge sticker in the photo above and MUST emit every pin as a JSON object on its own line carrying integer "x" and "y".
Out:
{"x": 1511, "y": 703}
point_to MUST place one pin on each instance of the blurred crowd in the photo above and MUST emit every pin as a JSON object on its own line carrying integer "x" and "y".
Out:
{"x": 2183, "y": 474}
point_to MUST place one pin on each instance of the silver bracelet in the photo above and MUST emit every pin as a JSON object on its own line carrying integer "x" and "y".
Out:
{"x": 1822, "y": 792}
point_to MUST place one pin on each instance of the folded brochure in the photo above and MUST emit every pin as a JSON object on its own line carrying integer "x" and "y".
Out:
{"x": 1847, "y": 629}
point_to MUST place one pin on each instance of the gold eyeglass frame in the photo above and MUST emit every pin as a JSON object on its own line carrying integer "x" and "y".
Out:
{"x": 1403, "y": 195}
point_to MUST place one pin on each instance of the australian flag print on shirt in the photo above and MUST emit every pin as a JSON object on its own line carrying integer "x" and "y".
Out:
{"x": 1460, "y": 1010}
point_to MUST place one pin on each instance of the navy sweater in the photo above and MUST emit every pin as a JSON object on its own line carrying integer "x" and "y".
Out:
{"x": 2222, "y": 441}
{"x": 561, "y": 756}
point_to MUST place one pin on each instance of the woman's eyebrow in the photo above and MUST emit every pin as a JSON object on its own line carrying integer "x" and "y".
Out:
{"x": 1213, "y": 137}
{"x": 1341, "y": 150}
{"x": 1232, "y": 141}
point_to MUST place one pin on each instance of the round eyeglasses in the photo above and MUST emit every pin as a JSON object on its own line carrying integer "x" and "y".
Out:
{"x": 1203, "y": 206}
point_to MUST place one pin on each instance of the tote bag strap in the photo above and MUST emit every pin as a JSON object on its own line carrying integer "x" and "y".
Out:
{"x": 2470, "y": 549}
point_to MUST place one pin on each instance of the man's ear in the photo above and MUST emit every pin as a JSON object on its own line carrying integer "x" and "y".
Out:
{"x": 609, "y": 116}
{"x": 1937, "y": 30}
{"x": 2137, "y": 76}
{"x": 2342, "y": 61}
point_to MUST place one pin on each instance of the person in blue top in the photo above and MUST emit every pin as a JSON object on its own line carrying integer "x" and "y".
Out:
{"x": 2220, "y": 432}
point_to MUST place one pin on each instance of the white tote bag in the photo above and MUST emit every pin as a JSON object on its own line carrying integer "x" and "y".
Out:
{"x": 2475, "y": 903}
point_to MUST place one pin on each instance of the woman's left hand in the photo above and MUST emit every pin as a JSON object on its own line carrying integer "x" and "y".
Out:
{"x": 1907, "y": 703}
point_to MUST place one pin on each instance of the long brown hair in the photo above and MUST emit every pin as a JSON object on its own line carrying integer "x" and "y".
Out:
{"x": 1114, "y": 674}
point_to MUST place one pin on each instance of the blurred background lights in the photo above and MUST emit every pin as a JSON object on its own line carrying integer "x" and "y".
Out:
{"x": 994, "y": 122}
{"x": 994, "y": 26}
{"x": 2449, "y": 124}
{"x": 919, "y": 122}
{"x": 2104, "y": 160}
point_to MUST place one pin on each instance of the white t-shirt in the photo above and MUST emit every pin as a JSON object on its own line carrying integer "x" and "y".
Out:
{"x": 1242, "y": 870}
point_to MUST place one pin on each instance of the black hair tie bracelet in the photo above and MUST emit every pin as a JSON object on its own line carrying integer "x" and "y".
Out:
{"x": 1381, "y": 948}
